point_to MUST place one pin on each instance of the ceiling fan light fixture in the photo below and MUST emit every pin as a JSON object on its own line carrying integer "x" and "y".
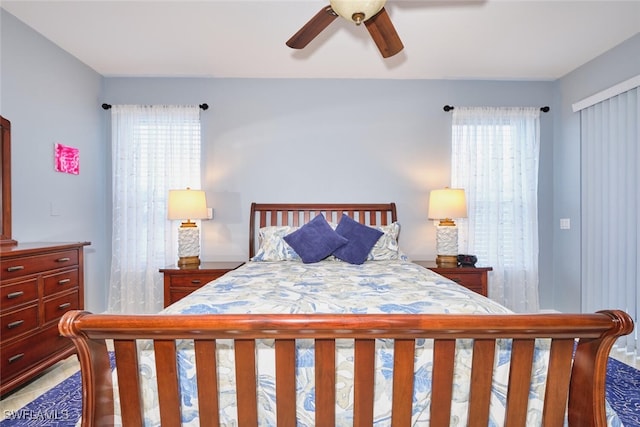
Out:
{"x": 357, "y": 17}
{"x": 357, "y": 11}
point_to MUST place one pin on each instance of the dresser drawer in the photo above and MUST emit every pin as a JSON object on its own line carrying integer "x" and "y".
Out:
{"x": 60, "y": 282}
{"x": 25, "y": 353}
{"x": 18, "y": 293}
{"x": 54, "y": 308}
{"x": 18, "y": 322}
{"x": 194, "y": 280}
{"x": 22, "y": 266}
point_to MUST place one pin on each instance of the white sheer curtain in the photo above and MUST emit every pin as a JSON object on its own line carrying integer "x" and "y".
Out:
{"x": 610, "y": 197}
{"x": 154, "y": 149}
{"x": 495, "y": 159}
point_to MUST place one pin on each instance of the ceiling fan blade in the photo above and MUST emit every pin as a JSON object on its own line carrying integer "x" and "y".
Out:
{"x": 384, "y": 34}
{"x": 311, "y": 29}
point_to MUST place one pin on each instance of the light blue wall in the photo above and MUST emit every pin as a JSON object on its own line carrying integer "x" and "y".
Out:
{"x": 281, "y": 140}
{"x": 51, "y": 97}
{"x": 609, "y": 69}
{"x": 332, "y": 141}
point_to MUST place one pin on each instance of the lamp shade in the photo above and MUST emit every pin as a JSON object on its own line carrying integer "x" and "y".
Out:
{"x": 447, "y": 203}
{"x": 349, "y": 9}
{"x": 187, "y": 204}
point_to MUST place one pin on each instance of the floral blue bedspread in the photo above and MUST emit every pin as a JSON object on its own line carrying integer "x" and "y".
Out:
{"x": 337, "y": 287}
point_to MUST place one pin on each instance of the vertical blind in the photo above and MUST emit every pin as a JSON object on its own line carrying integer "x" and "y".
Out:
{"x": 610, "y": 193}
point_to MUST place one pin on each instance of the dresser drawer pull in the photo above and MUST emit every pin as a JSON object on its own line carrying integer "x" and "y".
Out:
{"x": 65, "y": 259}
{"x": 15, "y": 324}
{"x": 63, "y": 306}
{"x": 16, "y": 357}
{"x": 13, "y": 295}
{"x": 15, "y": 268}
{"x": 63, "y": 281}
{"x": 196, "y": 281}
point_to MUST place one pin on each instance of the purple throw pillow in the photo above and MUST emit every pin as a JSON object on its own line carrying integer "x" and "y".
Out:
{"x": 361, "y": 239}
{"x": 315, "y": 240}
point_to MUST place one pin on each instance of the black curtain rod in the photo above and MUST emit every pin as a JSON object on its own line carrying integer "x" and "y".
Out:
{"x": 448, "y": 108}
{"x": 108, "y": 106}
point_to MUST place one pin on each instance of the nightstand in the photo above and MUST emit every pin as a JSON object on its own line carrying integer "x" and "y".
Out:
{"x": 179, "y": 282}
{"x": 473, "y": 278}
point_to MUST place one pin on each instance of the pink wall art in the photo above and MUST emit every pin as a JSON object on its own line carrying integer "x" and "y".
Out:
{"x": 67, "y": 159}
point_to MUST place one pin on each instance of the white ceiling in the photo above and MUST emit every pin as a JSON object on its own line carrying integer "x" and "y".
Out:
{"x": 446, "y": 39}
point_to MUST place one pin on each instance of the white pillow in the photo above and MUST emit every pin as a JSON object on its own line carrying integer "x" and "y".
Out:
{"x": 272, "y": 245}
{"x": 386, "y": 248}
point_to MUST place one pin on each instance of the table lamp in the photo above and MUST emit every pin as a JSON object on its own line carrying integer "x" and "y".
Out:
{"x": 444, "y": 205}
{"x": 187, "y": 205}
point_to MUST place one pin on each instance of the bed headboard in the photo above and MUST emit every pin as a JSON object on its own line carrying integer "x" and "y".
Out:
{"x": 297, "y": 214}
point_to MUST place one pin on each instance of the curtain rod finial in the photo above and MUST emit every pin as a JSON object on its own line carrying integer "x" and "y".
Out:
{"x": 448, "y": 108}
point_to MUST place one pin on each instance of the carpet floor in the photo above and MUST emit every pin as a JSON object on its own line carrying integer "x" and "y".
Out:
{"x": 61, "y": 406}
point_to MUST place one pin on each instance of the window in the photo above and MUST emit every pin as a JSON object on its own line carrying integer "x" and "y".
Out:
{"x": 495, "y": 159}
{"x": 155, "y": 149}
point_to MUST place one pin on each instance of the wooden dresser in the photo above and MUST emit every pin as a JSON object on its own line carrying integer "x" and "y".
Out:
{"x": 39, "y": 282}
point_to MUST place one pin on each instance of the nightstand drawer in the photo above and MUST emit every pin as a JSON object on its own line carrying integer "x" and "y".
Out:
{"x": 178, "y": 293}
{"x": 466, "y": 279}
{"x": 194, "y": 280}
{"x": 180, "y": 282}
{"x": 472, "y": 278}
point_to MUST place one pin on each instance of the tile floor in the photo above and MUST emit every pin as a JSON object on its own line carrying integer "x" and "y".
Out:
{"x": 630, "y": 359}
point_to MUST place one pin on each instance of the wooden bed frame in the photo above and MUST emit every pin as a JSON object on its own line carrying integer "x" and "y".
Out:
{"x": 297, "y": 214}
{"x": 580, "y": 345}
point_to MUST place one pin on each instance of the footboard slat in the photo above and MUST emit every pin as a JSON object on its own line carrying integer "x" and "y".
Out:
{"x": 364, "y": 375}
{"x": 167, "y": 373}
{"x": 286, "y": 382}
{"x": 246, "y": 384}
{"x": 404, "y": 351}
{"x": 482, "y": 367}
{"x": 206, "y": 363}
{"x": 126, "y": 354}
{"x": 594, "y": 333}
{"x": 519, "y": 380}
{"x": 558, "y": 378}
{"x": 442, "y": 384}
{"x": 325, "y": 363}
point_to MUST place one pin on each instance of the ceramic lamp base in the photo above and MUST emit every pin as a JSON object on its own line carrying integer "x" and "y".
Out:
{"x": 447, "y": 245}
{"x": 188, "y": 245}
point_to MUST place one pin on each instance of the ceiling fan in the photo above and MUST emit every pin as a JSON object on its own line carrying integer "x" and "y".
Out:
{"x": 371, "y": 12}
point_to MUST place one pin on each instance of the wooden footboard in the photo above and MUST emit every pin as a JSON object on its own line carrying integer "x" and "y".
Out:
{"x": 575, "y": 379}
